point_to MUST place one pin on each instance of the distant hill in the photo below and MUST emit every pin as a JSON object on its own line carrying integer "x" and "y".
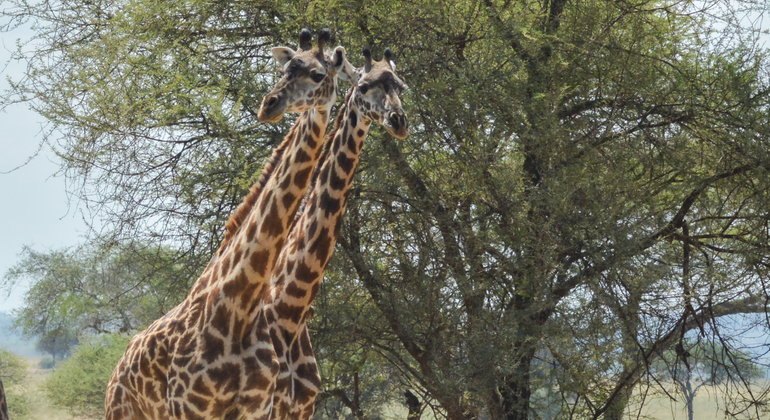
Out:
{"x": 12, "y": 340}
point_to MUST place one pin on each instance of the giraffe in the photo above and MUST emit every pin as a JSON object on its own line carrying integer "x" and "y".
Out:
{"x": 298, "y": 274}
{"x": 3, "y": 404}
{"x": 211, "y": 357}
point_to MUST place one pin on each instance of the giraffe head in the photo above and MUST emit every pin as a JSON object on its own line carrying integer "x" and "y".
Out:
{"x": 376, "y": 94}
{"x": 309, "y": 78}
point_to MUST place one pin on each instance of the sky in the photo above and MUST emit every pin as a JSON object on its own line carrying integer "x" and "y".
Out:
{"x": 34, "y": 206}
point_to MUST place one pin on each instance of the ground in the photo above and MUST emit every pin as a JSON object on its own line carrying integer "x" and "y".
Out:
{"x": 708, "y": 402}
{"x": 708, "y": 405}
{"x": 39, "y": 406}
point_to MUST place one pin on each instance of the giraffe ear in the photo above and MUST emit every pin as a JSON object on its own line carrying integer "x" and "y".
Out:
{"x": 342, "y": 66}
{"x": 283, "y": 55}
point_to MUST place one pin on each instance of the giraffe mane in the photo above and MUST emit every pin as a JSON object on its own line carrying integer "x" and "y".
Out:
{"x": 329, "y": 136}
{"x": 237, "y": 218}
{"x": 322, "y": 158}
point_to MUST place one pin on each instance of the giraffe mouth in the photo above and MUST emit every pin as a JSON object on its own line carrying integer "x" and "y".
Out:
{"x": 264, "y": 118}
{"x": 400, "y": 133}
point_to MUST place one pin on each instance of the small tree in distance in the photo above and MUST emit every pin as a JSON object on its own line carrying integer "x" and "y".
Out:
{"x": 96, "y": 288}
{"x": 57, "y": 342}
{"x": 694, "y": 365}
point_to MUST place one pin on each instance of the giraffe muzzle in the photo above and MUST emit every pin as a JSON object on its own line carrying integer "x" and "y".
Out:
{"x": 272, "y": 109}
{"x": 397, "y": 124}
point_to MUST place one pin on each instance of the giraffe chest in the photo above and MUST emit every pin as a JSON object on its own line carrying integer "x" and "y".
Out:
{"x": 227, "y": 371}
{"x": 201, "y": 370}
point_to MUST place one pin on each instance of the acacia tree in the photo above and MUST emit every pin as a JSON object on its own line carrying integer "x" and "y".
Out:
{"x": 585, "y": 182}
{"x": 551, "y": 203}
{"x": 94, "y": 289}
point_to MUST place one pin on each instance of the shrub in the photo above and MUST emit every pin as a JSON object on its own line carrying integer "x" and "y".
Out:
{"x": 13, "y": 371}
{"x": 80, "y": 382}
{"x": 46, "y": 363}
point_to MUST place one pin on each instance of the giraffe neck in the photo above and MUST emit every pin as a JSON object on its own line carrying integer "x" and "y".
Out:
{"x": 238, "y": 273}
{"x": 298, "y": 274}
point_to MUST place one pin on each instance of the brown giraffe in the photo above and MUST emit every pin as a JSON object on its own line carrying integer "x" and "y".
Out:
{"x": 211, "y": 357}
{"x": 3, "y": 404}
{"x": 298, "y": 274}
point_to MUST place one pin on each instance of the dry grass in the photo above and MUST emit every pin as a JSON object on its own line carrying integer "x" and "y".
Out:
{"x": 40, "y": 408}
{"x": 709, "y": 404}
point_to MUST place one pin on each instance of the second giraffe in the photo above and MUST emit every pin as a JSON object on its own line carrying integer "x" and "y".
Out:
{"x": 297, "y": 276}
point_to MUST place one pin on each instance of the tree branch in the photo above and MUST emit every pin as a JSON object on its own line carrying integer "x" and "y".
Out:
{"x": 561, "y": 289}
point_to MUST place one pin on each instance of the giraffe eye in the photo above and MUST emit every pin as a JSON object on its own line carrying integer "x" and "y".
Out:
{"x": 363, "y": 88}
{"x": 317, "y": 77}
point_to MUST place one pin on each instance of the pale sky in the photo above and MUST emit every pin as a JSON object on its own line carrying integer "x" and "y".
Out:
{"x": 34, "y": 208}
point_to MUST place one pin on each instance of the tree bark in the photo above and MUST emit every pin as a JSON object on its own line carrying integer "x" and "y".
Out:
{"x": 685, "y": 385}
{"x": 354, "y": 407}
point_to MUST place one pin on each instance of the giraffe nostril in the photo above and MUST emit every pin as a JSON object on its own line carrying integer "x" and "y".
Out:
{"x": 395, "y": 121}
{"x": 271, "y": 101}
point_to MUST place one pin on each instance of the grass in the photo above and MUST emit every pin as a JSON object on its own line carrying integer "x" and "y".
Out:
{"x": 709, "y": 402}
{"x": 39, "y": 407}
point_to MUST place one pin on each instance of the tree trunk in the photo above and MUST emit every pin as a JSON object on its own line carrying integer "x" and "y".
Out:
{"x": 3, "y": 404}
{"x": 413, "y": 404}
{"x": 517, "y": 391}
{"x": 617, "y": 409}
{"x": 690, "y": 396}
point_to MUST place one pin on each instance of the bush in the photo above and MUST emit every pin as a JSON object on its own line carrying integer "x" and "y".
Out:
{"x": 80, "y": 382}
{"x": 19, "y": 402}
{"x": 46, "y": 363}
{"x": 13, "y": 371}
